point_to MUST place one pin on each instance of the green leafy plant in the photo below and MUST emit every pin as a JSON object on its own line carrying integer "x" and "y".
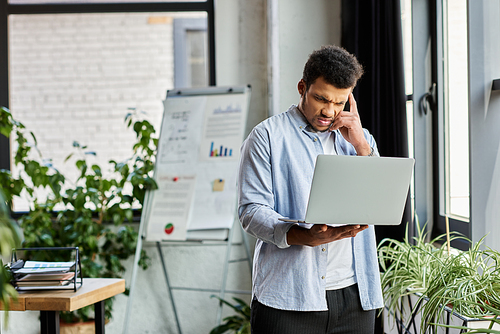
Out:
{"x": 466, "y": 282}
{"x": 238, "y": 323}
{"x": 90, "y": 212}
{"x": 10, "y": 237}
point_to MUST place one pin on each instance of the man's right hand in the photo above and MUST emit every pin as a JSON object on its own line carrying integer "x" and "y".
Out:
{"x": 320, "y": 234}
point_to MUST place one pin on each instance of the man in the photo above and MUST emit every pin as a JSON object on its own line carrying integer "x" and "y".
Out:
{"x": 308, "y": 278}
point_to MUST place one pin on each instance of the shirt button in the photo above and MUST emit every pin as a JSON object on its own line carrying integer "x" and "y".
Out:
{"x": 315, "y": 139}
{"x": 322, "y": 277}
{"x": 323, "y": 249}
{"x": 300, "y": 127}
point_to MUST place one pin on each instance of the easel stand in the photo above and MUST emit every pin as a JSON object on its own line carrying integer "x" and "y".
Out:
{"x": 202, "y": 129}
{"x": 221, "y": 292}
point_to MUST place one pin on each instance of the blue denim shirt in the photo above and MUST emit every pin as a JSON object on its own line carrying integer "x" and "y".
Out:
{"x": 275, "y": 175}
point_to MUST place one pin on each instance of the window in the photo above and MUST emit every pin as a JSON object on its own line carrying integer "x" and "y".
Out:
{"x": 190, "y": 49}
{"x": 451, "y": 141}
{"x": 74, "y": 76}
{"x": 435, "y": 43}
{"x": 406, "y": 28}
{"x": 456, "y": 122}
{"x": 452, "y": 122}
{"x": 26, "y": 2}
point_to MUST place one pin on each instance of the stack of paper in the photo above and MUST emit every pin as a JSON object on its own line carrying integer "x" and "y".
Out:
{"x": 43, "y": 275}
{"x": 40, "y": 267}
{"x": 45, "y": 279}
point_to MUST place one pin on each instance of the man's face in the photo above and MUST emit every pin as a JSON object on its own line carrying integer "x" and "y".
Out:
{"x": 321, "y": 103}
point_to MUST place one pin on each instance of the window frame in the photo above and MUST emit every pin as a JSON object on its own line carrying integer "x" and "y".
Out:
{"x": 181, "y": 28}
{"x": 429, "y": 141}
{"x": 7, "y": 9}
{"x": 440, "y": 142}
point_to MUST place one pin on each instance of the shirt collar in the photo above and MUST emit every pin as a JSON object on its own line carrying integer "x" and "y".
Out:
{"x": 298, "y": 119}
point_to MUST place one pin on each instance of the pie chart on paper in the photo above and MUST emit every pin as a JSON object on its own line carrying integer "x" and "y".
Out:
{"x": 169, "y": 228}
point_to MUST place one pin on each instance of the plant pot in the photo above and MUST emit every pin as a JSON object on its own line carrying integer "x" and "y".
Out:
{"x": 478, "y": 324}
{"x": 77, "y": 328}
{"x": 412, "y": 310}
{"x": 87, "y": 327}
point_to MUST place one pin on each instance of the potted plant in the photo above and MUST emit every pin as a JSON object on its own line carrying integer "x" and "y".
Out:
{"x": 464, "y": 282}
{"x": 10, "y": 237}
{"x": 90, "y": 212}
{"x": 238, "y": 323}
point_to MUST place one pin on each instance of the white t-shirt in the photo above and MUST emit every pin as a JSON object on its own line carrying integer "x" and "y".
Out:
{"x": 340, "y": 263}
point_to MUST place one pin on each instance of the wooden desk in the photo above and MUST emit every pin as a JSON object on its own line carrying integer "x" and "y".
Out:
{"x": 50, "y": 302}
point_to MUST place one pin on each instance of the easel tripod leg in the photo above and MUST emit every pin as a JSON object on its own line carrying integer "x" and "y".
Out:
{"x": 224, "y": 274}
{"x": 137, "y": 257}
{"x": 158, "y": 245}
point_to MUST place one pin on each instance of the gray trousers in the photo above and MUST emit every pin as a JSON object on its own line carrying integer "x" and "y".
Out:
{"x": 344, "y": 315}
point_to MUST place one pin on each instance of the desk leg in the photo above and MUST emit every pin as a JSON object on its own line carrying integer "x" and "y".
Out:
{"x": 99, "y": 317}
{"x": 49, "y": 322}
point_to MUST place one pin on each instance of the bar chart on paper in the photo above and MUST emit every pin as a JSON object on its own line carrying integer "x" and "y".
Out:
{"x": 220, "y": 151}
{"x": 223, "y": 128}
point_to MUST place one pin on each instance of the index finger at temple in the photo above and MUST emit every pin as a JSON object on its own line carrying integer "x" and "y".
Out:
{"x": 352, "y": 104}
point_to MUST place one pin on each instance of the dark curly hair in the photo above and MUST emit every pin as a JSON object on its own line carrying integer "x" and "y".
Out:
{"x": 337, "y": 67}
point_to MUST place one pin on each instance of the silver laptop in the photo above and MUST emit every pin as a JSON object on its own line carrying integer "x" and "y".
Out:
{"x": 358, "y": 190}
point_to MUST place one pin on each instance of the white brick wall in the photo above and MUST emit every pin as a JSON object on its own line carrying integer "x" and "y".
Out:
{"x": 73, "y": 77}
{"x": 151, "y": 310}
